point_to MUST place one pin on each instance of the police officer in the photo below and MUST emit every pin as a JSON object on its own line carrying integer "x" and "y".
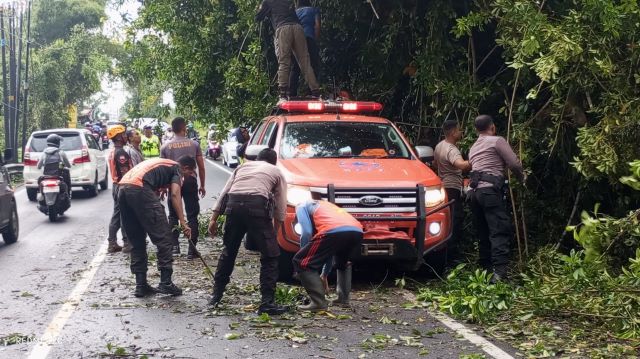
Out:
{"x": 450, "y": 165}
{"x": 150, "y": 144}
{"x": 333, "y": 231}
{"x": 489, "y": 156}
{"x": 254, "y": 202}
{"x": 175, "y": 148}
{"x": 119, "y": 164}
{"x": 143, "y": 214}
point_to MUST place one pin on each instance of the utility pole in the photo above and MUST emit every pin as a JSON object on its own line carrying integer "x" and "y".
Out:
{"x": 26, "y": 81}
{"x": 18, "y": 83}
{"x": 12, "y": 76}
{"x": 5, "y": 90}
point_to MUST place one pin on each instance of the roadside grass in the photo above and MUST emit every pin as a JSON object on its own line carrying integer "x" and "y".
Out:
{"x": 561, "y": 305}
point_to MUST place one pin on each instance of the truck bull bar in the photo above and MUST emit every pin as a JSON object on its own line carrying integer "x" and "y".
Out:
{"x": 420, "y": 218}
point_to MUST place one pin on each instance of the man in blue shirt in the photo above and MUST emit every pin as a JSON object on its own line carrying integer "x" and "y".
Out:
{"x": 309, "y": 17}
{"x": 327, "y": 230}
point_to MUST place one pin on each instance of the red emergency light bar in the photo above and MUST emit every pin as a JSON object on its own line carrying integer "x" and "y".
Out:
{"x": 328, "y": 106}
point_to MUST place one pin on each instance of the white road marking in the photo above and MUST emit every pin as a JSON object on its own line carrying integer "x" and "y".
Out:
{"x": 465, "y": 332}
{"x": 54, "y": 329}
{"x": 220, "y": 166}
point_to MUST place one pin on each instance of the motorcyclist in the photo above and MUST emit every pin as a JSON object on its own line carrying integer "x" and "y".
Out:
{"x": 55, "y": 161}
{"x": 192, "y": 133}
{"x": 211, "y": 136}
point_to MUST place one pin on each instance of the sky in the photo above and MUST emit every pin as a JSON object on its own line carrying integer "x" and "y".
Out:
{"x": 114, "y": 27}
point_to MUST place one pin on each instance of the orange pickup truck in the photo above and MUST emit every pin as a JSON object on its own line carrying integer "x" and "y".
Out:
{"x": 342, "y": 153}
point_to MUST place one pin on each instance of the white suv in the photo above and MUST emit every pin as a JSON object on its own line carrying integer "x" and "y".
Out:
{"x": 89, "y": 167}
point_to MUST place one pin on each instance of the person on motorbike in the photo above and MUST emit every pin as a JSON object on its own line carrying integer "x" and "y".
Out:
{"x": 55, "y": 161}
{"x": 213, "y": 132}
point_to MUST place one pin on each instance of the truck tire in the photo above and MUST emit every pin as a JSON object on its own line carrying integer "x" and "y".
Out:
{"x": 32, "y": 194}
{"x": 10, "y": 234}
{"x": 285, "y": 266}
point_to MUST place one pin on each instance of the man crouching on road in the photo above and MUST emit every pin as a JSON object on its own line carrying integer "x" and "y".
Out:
{"x": 253, "y": 196}
{"x": 335, "y": 232}
{"x": 143, "y": 214}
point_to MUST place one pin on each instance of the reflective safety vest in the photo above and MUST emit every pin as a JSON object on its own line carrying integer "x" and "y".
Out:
{"x": 150, "y": 146}
{"x": 327, "y": 216}
{"x": 136, "y": 175}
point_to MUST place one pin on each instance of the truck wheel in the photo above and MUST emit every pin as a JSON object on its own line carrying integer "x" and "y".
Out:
{"x": 285, "y": 266}
{"x": 104, "y": 184}
{"x": 10, "y": 235}
{"x": 32, "y": 194}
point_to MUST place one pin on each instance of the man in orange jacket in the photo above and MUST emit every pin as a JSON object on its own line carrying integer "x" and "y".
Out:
{"x": 119, "y": 164}
{"x": 143, "y": 214}
{"x": 333, "y": 231}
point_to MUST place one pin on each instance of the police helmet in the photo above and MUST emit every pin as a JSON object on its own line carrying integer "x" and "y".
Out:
{"x": 54, "y": 140}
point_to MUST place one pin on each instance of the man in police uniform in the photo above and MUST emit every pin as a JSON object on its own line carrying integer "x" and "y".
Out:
{"x": 327, "y": 230}
{"x": 254, "y": 202}
{"x": 489, "y": 156}
{"x": 150, "y": 144}
{"x": 175, "y": 148}
{"x": 119, "y": 164}
{"x": 450, "y": 165}
{"x": 143, "y": 214}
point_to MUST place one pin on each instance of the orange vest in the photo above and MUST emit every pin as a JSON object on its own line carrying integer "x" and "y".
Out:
{"x": 136, "y": 175}
{"x": 328, "y": 216}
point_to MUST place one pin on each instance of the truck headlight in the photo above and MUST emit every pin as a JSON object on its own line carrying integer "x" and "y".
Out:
{"x": 297, "y": 195}
{"x": 433, "y": 196}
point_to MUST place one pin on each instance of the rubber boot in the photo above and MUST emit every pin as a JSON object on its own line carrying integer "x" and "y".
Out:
{"x": 315, "y": 94}
{"x": 315, "y": 289}
{"x": 216, "y": 298}
{"x": 500, "y": 273}
{"x": 193, "y": 252}
{"x": 343, "y": 287}
{"x": 142, "y": 287}
{"x": 113, "y": 247}
{"x": 166, "y": 286}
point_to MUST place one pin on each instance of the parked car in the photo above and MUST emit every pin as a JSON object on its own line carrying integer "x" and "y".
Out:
{"x": 89, "y": 168}
{"x": 343, "y": 153}
{"x": 229, "y": 146}
{"x": 9, "y": 223}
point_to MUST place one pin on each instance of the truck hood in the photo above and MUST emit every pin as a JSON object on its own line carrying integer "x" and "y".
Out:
{"x": 353, "y": 172}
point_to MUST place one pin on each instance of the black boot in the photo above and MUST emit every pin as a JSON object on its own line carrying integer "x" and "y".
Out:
{"x": 343, "y": 287}
{"x": 269, "y": 306}
{"x": 142, "y": 287}
{"x": 166, "y": 286}
{"x": 216, "y": 298}
{"x": 315, "y": 289}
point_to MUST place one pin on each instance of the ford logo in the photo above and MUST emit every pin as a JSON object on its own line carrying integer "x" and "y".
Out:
{"x": 370, "y": 201}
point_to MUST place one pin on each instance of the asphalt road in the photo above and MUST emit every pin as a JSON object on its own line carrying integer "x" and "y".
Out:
{"x": 62, "y": 296}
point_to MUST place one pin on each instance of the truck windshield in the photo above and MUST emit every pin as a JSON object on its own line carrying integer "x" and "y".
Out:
{"x": 341, "y": 140}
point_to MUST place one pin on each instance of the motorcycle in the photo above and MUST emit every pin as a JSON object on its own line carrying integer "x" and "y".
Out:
{"x": 214, "y": 149}
{"x": 53, "y": 196}
{"x": 105, "y": 141}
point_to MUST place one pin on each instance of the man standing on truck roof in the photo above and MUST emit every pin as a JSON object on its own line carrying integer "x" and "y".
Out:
{"x": 119, "y": 164}
{"x": 175, "y": 148}
{"x": 450, "y": 165}
{"x": 289, "y": 40}
{"x": 489, "y": 156}
{"x": 254, "y": 201}
{"x": 143, "y": 214}
{"x": 309, "y": 17}
{"x": 332, "y": 231}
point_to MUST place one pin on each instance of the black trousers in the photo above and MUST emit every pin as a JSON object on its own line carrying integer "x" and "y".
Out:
{"x": 259, "y": 228}
{"x": 114, "y": 224}
{"x": 493, "y": 228}
{"x": 142, "y": 215}
{"x": 457, "y": 216}
{"x": 314, "y": 255}
{"x": 314, "y": 56}
{"x": 192, "y": 207}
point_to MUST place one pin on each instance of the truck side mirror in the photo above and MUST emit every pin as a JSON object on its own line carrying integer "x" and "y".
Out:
{"x": 8, "y": 155}
{"x": 252, "y": 151}
{"x": 425, "y": 154}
